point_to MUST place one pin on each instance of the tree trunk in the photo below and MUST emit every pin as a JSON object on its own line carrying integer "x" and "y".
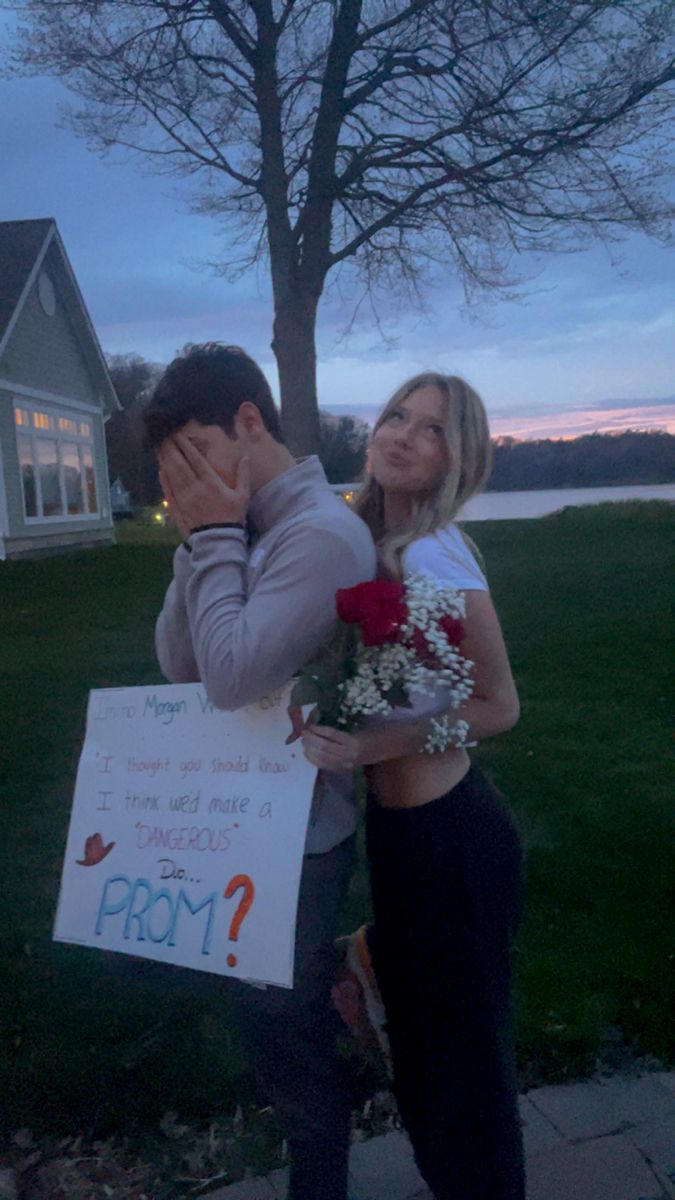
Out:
{"x": 294, "y": 346}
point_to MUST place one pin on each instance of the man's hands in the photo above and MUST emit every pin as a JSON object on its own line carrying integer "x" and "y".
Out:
{"x": 196, "y": 494}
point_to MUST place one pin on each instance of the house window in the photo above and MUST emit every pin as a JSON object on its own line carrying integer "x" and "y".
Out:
{"x": 49, "y": 476}
{"x": 72, "y": 475}
{"x": 46, "y": 294}
{"x": 90, "y": 479}
{"x": 27, "y": 464}
{"x": 56, "y": 459}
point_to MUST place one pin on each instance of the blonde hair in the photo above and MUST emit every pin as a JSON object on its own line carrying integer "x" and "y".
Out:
{"x": 467, "y": 437}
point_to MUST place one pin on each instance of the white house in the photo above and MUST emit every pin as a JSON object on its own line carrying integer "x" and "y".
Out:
{"x": 119, "y": 497}
{"x": 55, "y": 395}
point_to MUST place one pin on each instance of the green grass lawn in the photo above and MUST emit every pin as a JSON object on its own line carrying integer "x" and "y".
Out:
{"x": 91, "y": 1039}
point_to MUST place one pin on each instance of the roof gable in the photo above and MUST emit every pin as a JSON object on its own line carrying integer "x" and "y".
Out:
{"x": 24, "y": 246}
{"x": 21, "y": 242}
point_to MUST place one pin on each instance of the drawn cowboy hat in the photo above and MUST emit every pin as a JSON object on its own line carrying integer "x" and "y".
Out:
{"x": 94, "y": 851}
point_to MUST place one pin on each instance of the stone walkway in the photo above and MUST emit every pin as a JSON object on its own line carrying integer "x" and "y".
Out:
{"x": 612, "y": 1138}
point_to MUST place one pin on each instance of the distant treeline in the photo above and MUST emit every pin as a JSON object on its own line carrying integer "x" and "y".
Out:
{"x": 595, "y": 460}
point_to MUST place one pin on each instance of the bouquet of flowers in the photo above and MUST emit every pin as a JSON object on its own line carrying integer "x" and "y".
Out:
{"x": 392, "y": 638}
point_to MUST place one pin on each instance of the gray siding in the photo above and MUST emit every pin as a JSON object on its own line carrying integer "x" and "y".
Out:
{"x": 10, "y": 461}
{"x": 44, "y": 352}
{"x": 49, "y": 543}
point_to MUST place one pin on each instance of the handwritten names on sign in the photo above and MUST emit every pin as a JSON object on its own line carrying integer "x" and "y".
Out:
{"x": 187, "y": 832}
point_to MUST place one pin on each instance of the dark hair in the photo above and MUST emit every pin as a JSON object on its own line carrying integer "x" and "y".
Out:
{"x": 208, "y": 383}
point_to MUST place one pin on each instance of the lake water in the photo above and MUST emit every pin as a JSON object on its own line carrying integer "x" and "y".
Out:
{"x": 510, "y": 506}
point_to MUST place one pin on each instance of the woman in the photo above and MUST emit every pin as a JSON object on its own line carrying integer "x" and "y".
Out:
{"x": 444, "y": 855}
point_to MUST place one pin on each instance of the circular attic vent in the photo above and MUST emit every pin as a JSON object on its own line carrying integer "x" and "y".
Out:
{"x": 46, "y": 294}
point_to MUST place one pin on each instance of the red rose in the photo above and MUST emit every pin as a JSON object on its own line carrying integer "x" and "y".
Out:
{"x": 422, "y": 649}
{"x": 453, "y": 629}
{"x": 454, "y": 632}
{"x": 367, "y": 600}
{"x": 377, "y": 607}
{"x": 383, "y": 626}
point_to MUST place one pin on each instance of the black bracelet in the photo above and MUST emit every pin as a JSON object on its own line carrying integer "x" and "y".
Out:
{"x": 217, "y": 525}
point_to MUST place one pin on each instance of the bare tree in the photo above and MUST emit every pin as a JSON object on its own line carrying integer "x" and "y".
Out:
{"x": 395, "y": 137}
{"x": 343, "y": 446}
{"x": 133, "y": 378}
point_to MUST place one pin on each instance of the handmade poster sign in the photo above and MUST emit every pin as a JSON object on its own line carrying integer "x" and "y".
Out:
{"x": 187, "y": 832}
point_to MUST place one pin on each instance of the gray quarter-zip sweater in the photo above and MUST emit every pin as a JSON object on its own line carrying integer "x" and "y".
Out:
{"x": 243, "y": 621}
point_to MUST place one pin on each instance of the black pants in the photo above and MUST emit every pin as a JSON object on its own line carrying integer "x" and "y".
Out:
{"x": 290, "y": 1036}
{"x": 447, "y": 891}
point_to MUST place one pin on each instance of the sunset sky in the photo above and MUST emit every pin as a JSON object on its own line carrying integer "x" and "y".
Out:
{"x": 590, "y": 344}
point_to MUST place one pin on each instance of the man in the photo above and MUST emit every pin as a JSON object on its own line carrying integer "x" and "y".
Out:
{"x": 242, "y": 620}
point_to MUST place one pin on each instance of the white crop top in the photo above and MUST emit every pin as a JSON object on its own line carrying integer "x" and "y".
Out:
{"x": 445, "y": 555}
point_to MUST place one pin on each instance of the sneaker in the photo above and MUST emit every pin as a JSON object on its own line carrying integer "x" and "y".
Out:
{"x": 357, "y": 998}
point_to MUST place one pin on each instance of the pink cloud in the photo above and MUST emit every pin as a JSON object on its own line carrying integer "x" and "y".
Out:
{"x": 575, "y": 423}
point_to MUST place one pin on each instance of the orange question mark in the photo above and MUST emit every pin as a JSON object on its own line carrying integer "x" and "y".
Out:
{"x": 236, "y": 882}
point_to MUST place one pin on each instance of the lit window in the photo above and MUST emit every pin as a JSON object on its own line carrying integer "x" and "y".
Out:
{"x": 57, "y": 465}
{"x": 42, "y": 421}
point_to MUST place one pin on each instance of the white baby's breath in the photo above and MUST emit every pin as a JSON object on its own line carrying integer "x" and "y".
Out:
{"x": 443, "y": 734}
